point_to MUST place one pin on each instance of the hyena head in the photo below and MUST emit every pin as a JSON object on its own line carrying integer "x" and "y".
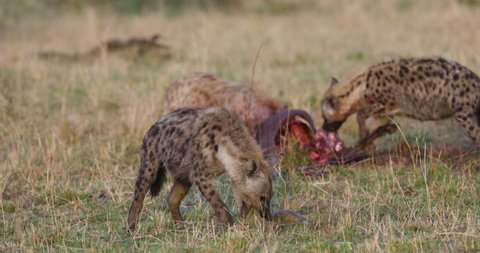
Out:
{"x": 336, "y": 106}
{"x": 256, "y": 189}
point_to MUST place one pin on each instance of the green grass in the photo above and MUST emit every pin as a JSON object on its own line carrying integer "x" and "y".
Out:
{"x": 351, "y": 209}
{"x": 70, "y": 133}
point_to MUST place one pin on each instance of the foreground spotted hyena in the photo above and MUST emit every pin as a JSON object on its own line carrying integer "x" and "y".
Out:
{"x": 195, "y": 146}
{"x": 419, "y": 88}
{"x": 203, "y": 89}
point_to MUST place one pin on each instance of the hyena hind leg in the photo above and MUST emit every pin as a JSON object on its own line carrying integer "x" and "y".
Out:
{"x": 177, "y": 193}
{"x": 208, "y": 190}
{"x": 470, "y": 125}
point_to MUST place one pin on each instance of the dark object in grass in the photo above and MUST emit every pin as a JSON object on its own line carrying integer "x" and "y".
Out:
{"x": 404, "y": 153}
{"x": 314, "y": 170}
{"x": 131, "y": 48}
{"x": 288, "y": 217}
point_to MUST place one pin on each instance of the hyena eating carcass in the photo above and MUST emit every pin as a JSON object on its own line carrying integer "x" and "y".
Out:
{"x": 429, "y": 88}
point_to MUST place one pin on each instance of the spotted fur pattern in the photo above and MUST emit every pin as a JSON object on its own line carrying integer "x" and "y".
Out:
{"x": 195, "y": 146}
{"x": 430, "y": 88}
{"x": 203, "y": 89}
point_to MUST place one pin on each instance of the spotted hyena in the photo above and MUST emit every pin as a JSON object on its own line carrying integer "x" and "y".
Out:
{"x": 195, "y": 146}
{"x": 204, "y": 89}
{"x": 421, "y": 88}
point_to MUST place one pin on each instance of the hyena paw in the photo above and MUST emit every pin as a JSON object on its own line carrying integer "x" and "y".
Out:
{"x": 367, "y": 148}
{"x": 132, "y": 226}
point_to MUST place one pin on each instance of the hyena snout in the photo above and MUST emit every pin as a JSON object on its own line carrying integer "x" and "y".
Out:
{"x": 260, "y": 204}
{"x": 333, "y": 119}
{"x": 256, "y": 189}
{"x": 262, "y": 201}
{"x": 265, "y": 209}
{"x": 332, "y": 126}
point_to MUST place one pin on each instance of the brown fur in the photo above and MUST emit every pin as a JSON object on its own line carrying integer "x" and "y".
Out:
{"x": 199, "y": 90}
{"x": 420, "y": 88}
{"x": 195, "y": 146}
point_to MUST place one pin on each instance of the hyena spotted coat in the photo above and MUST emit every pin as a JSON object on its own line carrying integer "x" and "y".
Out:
{"x": 195, "y": 146}
{"x": 203, "y": 89}
{"x": 430, "y": 88}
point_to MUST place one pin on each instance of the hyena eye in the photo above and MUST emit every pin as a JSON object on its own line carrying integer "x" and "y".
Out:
{"x": 251, "y": 171}
{"x": 332, "y": 102}
{"x": 263, "y": 198}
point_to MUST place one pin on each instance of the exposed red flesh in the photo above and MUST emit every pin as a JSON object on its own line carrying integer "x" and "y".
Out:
{"x": 321, "y": 145}
{"x": 279, "y": 126}
{"x": 299, "y": 131}
{"x": 324, "y": 146}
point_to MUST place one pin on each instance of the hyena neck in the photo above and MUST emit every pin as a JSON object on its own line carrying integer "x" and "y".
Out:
{"x": 350, "y": 92}
{"x": 230, "y": 162}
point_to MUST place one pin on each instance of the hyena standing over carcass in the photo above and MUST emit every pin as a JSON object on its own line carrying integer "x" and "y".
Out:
{"x": 195, "y": 146}
{"x": 420, "y": 88}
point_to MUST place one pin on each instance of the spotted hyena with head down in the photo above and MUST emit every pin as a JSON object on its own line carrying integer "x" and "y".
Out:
{"x": 421, "y": 88}
{"x": 203, "y": 89}
{"x": 195, "y": 146}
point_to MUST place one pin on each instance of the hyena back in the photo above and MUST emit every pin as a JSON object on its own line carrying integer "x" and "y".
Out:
{"x": 201, "y": 90}
{"x": 195, "y": 146}
{"x": 421, "y": 88}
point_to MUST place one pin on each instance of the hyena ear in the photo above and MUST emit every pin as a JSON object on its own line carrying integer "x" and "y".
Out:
{"x": 252, "y": 169}
{"x": 333, "y": 81}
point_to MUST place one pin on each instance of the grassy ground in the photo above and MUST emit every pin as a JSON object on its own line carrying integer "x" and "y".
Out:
{"x": 70, "y": 132}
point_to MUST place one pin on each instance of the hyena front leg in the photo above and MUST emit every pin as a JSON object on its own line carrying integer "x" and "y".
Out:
{"x": 377, "y": 127}
{"x": 470, "y": 125}
{"x": 362, "y": 116}
{"x": 177, "y": 193}
{"x": 208, "y": 190}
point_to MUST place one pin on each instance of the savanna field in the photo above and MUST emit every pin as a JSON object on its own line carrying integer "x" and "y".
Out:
{"x": 71, "y": 130}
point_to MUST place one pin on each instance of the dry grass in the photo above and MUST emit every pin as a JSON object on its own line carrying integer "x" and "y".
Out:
{"x": 70, "y": 132}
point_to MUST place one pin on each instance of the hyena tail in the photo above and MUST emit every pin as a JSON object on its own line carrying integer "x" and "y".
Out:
{"x": 160, "y": 179}
{"x": 150, "y": 177}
